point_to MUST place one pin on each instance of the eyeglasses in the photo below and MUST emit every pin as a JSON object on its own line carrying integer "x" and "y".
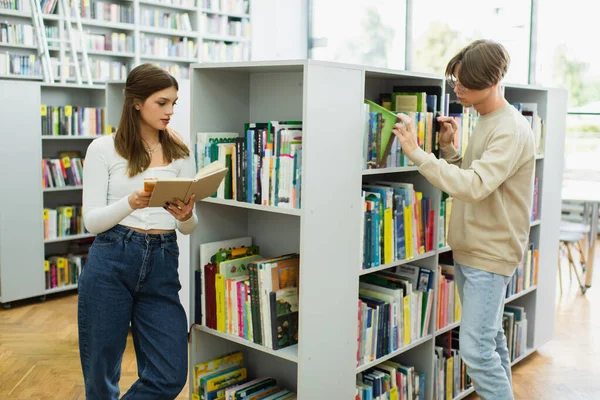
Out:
{"x": 455, "y": 83}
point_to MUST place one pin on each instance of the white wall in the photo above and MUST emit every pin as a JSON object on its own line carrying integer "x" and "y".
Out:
{"x": 279, "y": 29}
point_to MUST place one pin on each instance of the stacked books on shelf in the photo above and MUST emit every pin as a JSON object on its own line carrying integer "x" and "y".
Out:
{"x": 444, "y": 221}
{"x": 224, "y": 26}
{"x": 21, "y": 34}
{"x": 19, "y": 5}
{"x": 514, "y": 323}
{"x": 114, "y": 41}
{"x": 466, "y": 119}
{"x": 398, "y": 223}
{"x": 63, "y": 221}
{"x": 227, "y": 6}
{"x": 538, "y": 125}
{"x": 249, "y": 296}
{"x": 13, "y": 64}
{"x": 526, "y": 274}
{"x": 450, "y": 377}
{"x": 535, "y": 200}
{"x": 104, "y": 11}
{"x": 70, "y": 120}
{"x": 63, "y": 171}
{"x": 390, "y": 380}
{"x": 448, "y": 301}
{"x": 228, "y": 378}
{"x": 60, "y": 271}
{"x": 264, "y": 163}
{"x": 381, "y": 147}
{"x": 219, "y": 51}
{"x": 394, "y": 310}
{"x": 166, "y": 19}
{"x": 168, "y": 47}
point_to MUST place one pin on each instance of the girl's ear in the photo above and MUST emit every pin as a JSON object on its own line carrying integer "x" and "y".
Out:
{"x": 137, "y": 104}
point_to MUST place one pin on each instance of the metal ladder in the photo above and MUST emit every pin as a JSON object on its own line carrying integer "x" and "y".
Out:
{"x": 65, "y": 23}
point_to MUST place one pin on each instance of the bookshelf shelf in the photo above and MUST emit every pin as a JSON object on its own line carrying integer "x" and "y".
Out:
{"x": 60, "y": 289}
{"x": 464, "y": 394}
{"x": 380, "y": 171}
{"x": 539, "y": 157}
{"x": 396, "y": 353}
{"x": 520, "y": 294}
{"x": 250, "y": 206}
{"x": 447, "y": 328}
{"x": 444, "y": 249}
{"x": 17, "y": 46}
{"x": 69, "y": 137}
{"x": 168, "y": 32}
{"x": 225, "y": 14}
{"x": 536, "y": 222}
{"x": 110, "y": 53}
{"x": 69, "y": 238}
{"x": 62, "y": 189}
{"x": 168, "y": 6}
{"x": 523, "y": 356}
{"x": 21, "y": 77}
{"x": 397, "y": 263}
{"x": 288, "y": 353}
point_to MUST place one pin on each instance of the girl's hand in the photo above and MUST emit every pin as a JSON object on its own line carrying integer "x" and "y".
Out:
{"x": 180, "y": 210}
{"x": 139, "y": 199}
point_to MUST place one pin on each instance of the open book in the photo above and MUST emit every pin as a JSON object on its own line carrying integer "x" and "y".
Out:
{"x": 204, "y": 184}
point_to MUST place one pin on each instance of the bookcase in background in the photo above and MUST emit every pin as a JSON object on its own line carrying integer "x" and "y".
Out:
{"x": 180, "y": 122}
{"x": 326, "y": 231}
{"x": 123, "y": 34}
{"x": 23, "y": 246}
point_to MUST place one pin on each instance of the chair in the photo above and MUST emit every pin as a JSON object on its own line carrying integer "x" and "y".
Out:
{"x": 567, "y": 239}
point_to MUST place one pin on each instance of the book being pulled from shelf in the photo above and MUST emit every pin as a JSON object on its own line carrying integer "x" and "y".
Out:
{"x": 265, "y": 163}
{"x": 394, "y": 310}
{"x": 526, "y": 274}
{"x": 450, "y": 377}
{"x": 514, "y": 323}
{"x": 249, "y": 296}
{"x": 63, "y": 221}
{"x": 398, "y": 223}
{"x": 70, "y": 120}
{"x": 62, "y": 172}
{"x": 62, "y": 271}
{"x": 390, "y": 380}
{"x": 227, "y": 378}
{"x": 448, "y": 301}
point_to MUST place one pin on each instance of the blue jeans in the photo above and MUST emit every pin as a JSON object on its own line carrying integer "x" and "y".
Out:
{"x": 482, "y": 341}
{"x": 132, "y": 277}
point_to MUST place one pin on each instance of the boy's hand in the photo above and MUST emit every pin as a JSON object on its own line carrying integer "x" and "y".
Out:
{"x": 406, "y": 134}
{"x": 447, "y": 130}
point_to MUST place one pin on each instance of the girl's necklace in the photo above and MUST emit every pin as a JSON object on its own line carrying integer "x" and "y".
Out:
{"x": 150, "y": 149}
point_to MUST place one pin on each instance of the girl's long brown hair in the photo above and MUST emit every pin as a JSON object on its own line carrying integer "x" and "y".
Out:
{"x": 143, "y": 81}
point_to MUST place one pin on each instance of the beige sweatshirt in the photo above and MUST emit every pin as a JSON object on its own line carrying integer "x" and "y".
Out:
{"x": 492, "y": 187}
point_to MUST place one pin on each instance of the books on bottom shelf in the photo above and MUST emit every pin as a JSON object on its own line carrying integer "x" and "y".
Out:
{"x": 227, "y": 378}
{"x": 61, "y": 271}
{"x": 526, "y": 274}
{"x": 448, "y": 300}
{"x": 514, "y": 323}
{"x": 390, "y": 380}
{"x": 397, "y": 224}
{"x": 249, "y": 296}
{"x": 394, "y": 310}
{"x": 450, "y": 377}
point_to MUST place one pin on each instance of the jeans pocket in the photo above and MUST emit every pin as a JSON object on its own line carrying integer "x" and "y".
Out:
{"x": 105, "y": 239}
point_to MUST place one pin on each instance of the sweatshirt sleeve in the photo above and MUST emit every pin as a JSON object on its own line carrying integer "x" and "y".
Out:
{"x": 188, "y": 170}
{"x": 483, "y": 176}
{"x": 97, "y": 216}
{"x": 451, "y": 155}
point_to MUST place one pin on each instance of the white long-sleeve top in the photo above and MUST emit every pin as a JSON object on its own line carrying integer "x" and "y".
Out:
{"x": 106, "y": 187}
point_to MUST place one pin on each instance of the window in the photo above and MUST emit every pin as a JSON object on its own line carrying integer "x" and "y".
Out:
{"x": 371, "y": 32}
{"x": 440, "y": 28}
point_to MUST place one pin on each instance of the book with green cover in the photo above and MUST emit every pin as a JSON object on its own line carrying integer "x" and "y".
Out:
{"x": 389, "y": 120}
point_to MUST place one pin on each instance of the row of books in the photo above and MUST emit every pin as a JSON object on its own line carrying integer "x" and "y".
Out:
{"x": 450, "y": 377}
{"x": 17, "y": 34}
{"x": 227, "y": 378}
{"x": 223, "y": 25}
{"x": 168, "y": 47}
{"x": 514, "y": 323}
{"x": 398, "y": 223}
{"x": 178, "y": 71}
{"x": 444, "y": 221}
{"x": 60, "y": 271}
{"x": 538, "y": 125}
{"x": 19, "y": 5}
{"x": 249, "y": 296}
{"x": 526, "y": 274}
{"x": 13, "y": 64}
{"x": 183, "y": 3}
{"x": 466, "y": 118}
{"x": 62, "y": 172}
{"x": 159, "y": 18}
{"x": 103, "y": 11}
{"x": 390, "y": 380}
{"x": 71, "y": 120}
{"x": 448, "y": 302}
{"x": 227, "y": 6}
{"x": 394, "y": 310}
{"x": 216, "y": 51}
{"x": 264, "y": 163}
{"x": 536, "y": 199}
{"x": 63, "y": 221}
{"x": 116, "y": 42}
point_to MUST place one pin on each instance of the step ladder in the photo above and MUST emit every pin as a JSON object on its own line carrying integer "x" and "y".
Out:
{"x": 65, "y": 25}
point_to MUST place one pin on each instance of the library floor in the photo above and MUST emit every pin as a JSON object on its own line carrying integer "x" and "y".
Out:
{"x": 39, "y": 356}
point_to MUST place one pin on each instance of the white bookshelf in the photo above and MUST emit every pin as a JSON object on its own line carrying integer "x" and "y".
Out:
{"x": 177, "y": 63}
{"x": 224, "y": 96}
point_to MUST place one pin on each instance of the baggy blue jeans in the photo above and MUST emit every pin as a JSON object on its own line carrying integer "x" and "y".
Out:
{"x": 482, "y": 341}
{"x": 132, "y": 277}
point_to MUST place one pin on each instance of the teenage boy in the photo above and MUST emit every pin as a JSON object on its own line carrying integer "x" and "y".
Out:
{"x": 492, "y": 187}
